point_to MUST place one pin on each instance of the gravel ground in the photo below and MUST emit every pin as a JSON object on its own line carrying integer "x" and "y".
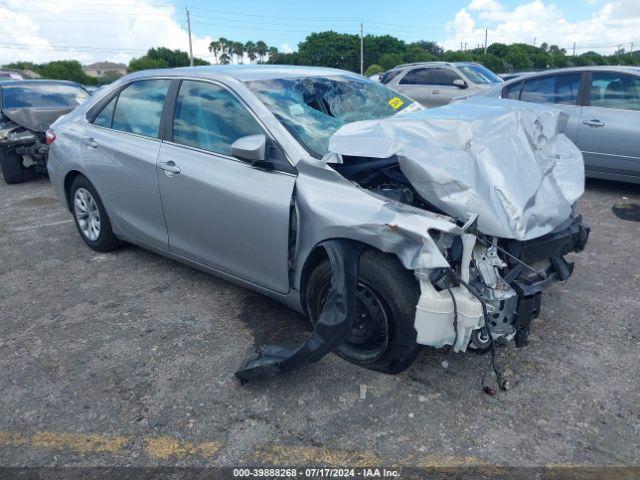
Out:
{"x": 128, "y": 358}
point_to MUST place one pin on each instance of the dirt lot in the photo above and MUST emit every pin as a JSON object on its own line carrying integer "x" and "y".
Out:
{"x": 128, "y": 359}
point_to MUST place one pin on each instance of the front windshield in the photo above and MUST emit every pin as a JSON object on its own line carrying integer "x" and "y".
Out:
{"x": 313, "y": 108}
{"x": 45, "y": 94}
{"x": 479, "y": 74}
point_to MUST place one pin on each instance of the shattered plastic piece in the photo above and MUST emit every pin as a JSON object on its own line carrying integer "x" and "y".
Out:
{"x": 507, "y": 161}
{"x": 333, "y": 325}
{"x": 363, "y": 391}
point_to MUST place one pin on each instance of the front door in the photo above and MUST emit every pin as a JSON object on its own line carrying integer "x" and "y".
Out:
{"x": 609, "y": 131}
{"x": 221, "y": 211}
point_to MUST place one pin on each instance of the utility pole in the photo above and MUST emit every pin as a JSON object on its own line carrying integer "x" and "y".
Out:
{"x": 618, "y": 53}
{"x": 574, "y": 49}
{"x": 361, "y": 48}
{"x": 535, "y": 39}
{"x": 486, "y": 34}
{"x": 190, "y": 46}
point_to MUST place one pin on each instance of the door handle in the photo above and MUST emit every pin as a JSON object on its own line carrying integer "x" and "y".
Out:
{"x": 594, "y": 123}
{"x": 436, "y": 92}
{"x": 169, "y": 168}
{"x": 90, "y": 142}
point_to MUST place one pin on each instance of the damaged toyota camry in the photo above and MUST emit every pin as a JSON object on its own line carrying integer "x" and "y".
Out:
{"x": 390, "y": 226}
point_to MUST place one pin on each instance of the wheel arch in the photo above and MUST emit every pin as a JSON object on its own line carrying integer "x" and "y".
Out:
{"x": 70, "y": 176}
{"x": 317, "y": 255}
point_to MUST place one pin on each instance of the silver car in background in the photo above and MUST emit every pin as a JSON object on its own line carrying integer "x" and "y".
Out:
{"x": 603, "y": 104}
{"x": 230, "y": 170}
{"x": 437, "y": 83}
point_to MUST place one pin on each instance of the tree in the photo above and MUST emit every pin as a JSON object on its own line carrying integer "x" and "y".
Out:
{"x": 390, "y": 60}
{"x": 430, "y": 47}
{"x": 163, "y": 58}
{"x": 261, "y": 49}
{"x": 331, "y": 49}
{"x": 65, "y": 70}
{"x": 373, "y": 69}
{"x": 238, "y": 51}
{"x": 416, "y": 53}
{"x": 250, "y": 48}
{"x": 214, "y": 47}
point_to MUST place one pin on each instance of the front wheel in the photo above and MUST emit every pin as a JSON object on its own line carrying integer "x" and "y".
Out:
{"x": 91, "y": 217}
{"x": 383, "y": 337}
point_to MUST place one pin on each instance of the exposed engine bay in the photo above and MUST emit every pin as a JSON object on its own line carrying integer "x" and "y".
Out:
{"x": 507, "y": 274}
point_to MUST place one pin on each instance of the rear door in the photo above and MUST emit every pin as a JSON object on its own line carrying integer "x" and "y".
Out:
{"x": 119, "y": 150}
{"x": 609, "y": 132}
{"x": 221, "y": 211}
{"x": 431, "y": 86}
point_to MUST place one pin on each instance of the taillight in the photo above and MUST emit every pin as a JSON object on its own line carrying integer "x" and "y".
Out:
{"x": 50, "y": 136}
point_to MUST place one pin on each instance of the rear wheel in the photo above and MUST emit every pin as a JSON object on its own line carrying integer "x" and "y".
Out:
{"x": 383, "y": 337}
{"x": 91, "y": 217}
{"x": 12, "y": 169}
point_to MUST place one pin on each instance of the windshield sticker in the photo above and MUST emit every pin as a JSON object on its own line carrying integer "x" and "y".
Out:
{"x": 415, "y": 106}
{"x": 396, "y": 103}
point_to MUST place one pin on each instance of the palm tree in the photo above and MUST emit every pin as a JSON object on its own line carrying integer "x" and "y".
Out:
{"x": 261, "y": 50}
{"x": 273, "y": 51}
{"x": 214, "y": 47}
{"x": 238, "y": 50}
{"x": 250, "y": 48}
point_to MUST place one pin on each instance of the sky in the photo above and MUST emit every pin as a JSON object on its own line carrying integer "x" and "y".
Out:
{"x": 118, "y": 30}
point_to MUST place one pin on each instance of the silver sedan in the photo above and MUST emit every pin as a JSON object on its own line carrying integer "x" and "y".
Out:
{"x": 230, "y": 170}
{"x": 603, "y": 104}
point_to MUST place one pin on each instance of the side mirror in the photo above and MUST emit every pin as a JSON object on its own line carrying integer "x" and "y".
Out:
{"x": 458, "y": 82}
{"x": 252, "y": 148}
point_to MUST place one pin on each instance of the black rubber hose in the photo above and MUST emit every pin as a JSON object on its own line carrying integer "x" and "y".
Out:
{"x": 492, "y": 346}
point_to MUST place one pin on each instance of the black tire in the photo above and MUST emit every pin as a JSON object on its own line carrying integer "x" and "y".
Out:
{"x": 12, "y": 169}
{"x": 385, "y": 341}
{"x": 106, "y": 240}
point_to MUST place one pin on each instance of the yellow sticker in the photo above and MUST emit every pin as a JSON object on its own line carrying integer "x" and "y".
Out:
{"x": 396, "y": 103}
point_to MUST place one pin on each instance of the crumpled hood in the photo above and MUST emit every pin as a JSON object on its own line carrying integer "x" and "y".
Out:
{"x": 507, "y": 161}
{"x": 38, "y": 119}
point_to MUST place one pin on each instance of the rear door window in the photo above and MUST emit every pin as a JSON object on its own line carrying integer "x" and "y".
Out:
{"x": 552, "y": 89}
{"x": 209, "y": 117}
{"x": 139, "y": 107}
{"x": 615, "y": 90}
{"x": 430, "y": 76}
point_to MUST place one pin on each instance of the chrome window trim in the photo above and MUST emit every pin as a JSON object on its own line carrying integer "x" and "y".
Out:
{"x": 197, "y": 79}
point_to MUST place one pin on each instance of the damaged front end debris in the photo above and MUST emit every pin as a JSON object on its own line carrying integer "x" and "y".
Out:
{"x": 27, "y": 110}
{"x": 477, "y": 200}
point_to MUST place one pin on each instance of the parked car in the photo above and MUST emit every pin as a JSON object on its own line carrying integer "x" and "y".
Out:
{"x": 27, "y": 108}
{"x": 603, "y": 104}
{"x": 8, "y": 75}
{"x": 247, "y": 171}
{"x": 512, "y": 75}
{"x": 437, "y": 83}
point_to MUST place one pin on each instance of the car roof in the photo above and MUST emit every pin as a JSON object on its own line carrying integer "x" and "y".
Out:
{"x": 32, "y": 82}
{"x": 243, "y": 73}
{"x": 593, "y": 68}
{"x": 438, "y": 63}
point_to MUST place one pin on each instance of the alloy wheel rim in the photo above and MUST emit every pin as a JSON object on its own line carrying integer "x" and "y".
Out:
{"x": 87, "y": 214}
